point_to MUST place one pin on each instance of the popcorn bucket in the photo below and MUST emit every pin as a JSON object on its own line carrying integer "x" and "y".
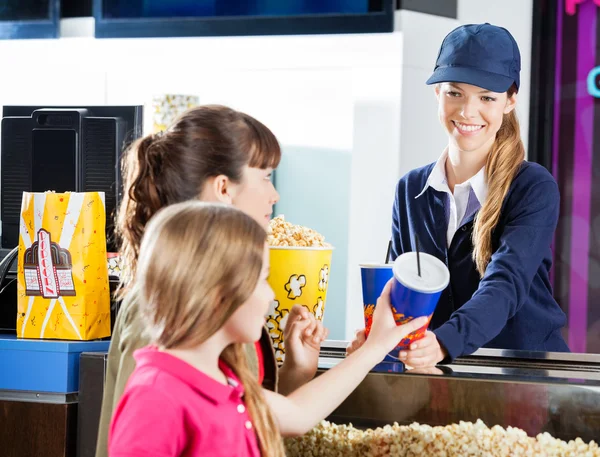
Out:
{"x": 299, "y": 275}
{"x": 168, "y": 107}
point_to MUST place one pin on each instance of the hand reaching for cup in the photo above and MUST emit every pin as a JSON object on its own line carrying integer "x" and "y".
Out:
{"x": 385, "y": 333}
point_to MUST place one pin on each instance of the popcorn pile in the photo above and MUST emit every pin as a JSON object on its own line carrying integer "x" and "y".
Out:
{"x": 283, "y": 233}
{"x": 458, "y": 440}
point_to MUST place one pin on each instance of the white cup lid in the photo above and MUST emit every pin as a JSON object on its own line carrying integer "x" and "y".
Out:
{"x": 434, "y": 273}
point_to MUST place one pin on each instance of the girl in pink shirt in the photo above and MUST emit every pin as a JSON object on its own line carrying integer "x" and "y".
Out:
{"x": 192, "y": 393}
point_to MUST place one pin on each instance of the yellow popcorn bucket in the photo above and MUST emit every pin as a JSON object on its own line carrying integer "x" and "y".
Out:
{"x": 299, "y": 276}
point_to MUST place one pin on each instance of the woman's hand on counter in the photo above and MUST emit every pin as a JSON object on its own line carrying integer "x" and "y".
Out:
{"x": 303, "y": 335}
{"x": 427, "y": 352}
{"x": 359, "y": 339}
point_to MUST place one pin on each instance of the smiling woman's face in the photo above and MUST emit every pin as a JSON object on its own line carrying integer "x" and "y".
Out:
{"x": 471, "y": 115}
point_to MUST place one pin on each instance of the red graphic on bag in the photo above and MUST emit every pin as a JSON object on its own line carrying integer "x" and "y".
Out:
{"x": 48, "y": 268}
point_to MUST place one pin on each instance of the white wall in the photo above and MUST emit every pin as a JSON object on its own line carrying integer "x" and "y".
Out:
{"x": 408, "y": 136}
{"x": 422, "y": 138}
{"x": 362, "y": 96}
{"x": 516, "y": 16}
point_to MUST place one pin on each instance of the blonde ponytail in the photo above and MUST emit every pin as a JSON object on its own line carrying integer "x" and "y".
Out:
{"x": 265, "y": 426}
{"x": 503, "y": 163}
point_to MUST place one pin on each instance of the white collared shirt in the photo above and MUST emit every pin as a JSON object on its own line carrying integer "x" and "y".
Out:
{"x": 466, "y": 200}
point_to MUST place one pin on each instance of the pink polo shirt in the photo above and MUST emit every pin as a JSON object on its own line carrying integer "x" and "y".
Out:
{"x": 170, "y": 408}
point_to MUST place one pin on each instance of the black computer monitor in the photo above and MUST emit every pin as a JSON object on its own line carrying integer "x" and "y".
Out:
{"x": 63, "y": 148}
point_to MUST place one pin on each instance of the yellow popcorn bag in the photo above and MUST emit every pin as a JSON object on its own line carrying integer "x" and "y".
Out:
{"x": 63, "y": 290}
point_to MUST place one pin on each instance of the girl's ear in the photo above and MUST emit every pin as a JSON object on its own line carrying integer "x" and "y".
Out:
{"x": 218, "y": 189}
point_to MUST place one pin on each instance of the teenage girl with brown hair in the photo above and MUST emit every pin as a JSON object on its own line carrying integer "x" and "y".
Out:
{"x": 214, "y": 154}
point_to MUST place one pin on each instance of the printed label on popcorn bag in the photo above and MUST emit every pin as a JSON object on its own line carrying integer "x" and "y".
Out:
{"x": 48, "y": 268}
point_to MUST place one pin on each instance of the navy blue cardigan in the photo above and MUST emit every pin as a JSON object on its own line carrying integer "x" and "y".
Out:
{"x": 512, "y": 306}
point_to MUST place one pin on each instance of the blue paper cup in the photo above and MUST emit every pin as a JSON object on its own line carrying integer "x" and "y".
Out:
{"x": 415, "y": 296}
{"x": 374, "y": 277}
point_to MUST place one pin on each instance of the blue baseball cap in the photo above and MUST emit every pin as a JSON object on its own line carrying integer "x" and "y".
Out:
{"x": 482, "y": 55}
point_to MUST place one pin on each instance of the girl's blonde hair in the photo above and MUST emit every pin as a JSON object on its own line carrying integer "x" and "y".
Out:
{"x": 198, "y": 264}
{"x": 503, "y": 163}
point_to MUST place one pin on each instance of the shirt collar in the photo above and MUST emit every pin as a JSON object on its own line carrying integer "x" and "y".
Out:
{"x": 479, "y": 186}
{"x": 205, "y": 385}
{"x": 438, "y": 181}
{"x": 437, "y": 178}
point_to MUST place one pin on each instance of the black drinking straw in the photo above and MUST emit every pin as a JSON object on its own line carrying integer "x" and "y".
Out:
{"x": 418, "y": 256}
{"x": 387, "y": 254}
